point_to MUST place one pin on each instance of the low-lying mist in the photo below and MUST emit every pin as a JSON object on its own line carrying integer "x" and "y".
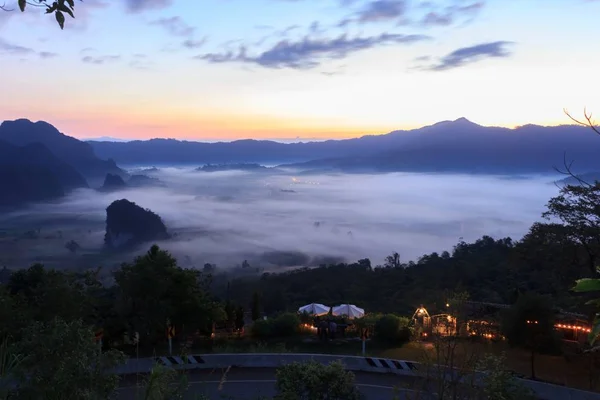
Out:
{"x": 278, "y": 219}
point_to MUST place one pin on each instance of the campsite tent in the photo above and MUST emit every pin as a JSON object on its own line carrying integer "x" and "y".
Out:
{"x": 350, "y": 310}
{"x": 314, "y": 309}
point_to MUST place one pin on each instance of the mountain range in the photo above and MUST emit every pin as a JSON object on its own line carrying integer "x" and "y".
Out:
{"x": 38, "y": 163}
{"x": 448, "y": 146}
{"x": 80, "y": 155}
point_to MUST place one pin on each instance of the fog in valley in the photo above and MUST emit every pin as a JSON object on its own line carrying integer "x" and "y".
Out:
{"x": 284, "y": 220}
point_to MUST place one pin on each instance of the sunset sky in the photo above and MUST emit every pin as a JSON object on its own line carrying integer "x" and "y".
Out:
{"x": 228, "y": 69}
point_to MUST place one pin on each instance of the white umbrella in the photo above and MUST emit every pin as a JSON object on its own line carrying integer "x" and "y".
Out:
{"x": 314, "y": 309}
{"x": 350, "y": 310}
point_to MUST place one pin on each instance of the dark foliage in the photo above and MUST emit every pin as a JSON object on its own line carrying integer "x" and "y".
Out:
{"x": 496, "y": 271}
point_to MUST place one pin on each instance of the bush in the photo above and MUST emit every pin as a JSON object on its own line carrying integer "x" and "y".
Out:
{"x": 287, "y": 324}
{"x": 392, "y": 329}
{"x": 261, "y": 328}
{"x": 315, "y": 381}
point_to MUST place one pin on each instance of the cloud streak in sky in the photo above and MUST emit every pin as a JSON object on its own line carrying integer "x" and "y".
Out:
{"x": 174, "y": 26}
{"x": 472, "y": 54}
{"x": 14, "y": 49}
{"x": 309, "y": 53}
{"x": 449, "y": 15}
{"x": 99, "y": 60}
{"x": 137, "y": 6}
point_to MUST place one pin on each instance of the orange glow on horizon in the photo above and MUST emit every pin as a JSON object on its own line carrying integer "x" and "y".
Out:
{"x": 146, "y": 124}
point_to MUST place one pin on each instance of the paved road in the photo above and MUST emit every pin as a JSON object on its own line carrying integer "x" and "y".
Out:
{"x": 251, "y": 383}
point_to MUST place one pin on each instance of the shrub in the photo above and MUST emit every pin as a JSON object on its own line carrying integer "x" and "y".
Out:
{"x": 261, "y": 328}
{"x": 315, "y": 381}
{"x": 392, "y": 329}
{"x": 287, "y": 324}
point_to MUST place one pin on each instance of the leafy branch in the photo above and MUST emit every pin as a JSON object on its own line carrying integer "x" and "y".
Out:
{"x": 59, "y": 8}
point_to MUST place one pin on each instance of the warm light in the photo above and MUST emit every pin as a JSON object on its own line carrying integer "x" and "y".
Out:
{"x": 425, "y": 334}
{"x": 447, "y": 305}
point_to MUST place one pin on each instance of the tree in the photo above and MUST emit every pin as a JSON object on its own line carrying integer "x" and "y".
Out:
{"x": 48, "y": 293}
{"x": 500, "y": 384}
{"x": 393, "y": 260}
{"x": 315, "y": 381}
{"x": 230, "y": 313}
{"x": 59, "y": 8}
{"x": 72, "y": 246}
{"x": 239, "y": 318}
{"x": 164, "y": 384}
{"x": 63, "y": 362}
{"x": 255, "y": 306}
{"x": 208, "y": 268}
{"x": 578, "y": 207}
{"x": 154, "y": 288}
{"x": 529, "y": 323}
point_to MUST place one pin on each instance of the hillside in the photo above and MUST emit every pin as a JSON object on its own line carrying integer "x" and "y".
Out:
{"x": 76, "y": 153}
{"x": 453, "y": 146}
{"x": 32, "y": 173}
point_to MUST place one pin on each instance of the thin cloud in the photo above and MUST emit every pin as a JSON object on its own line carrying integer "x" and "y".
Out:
{"x": 309, "y": 53}
{"x": 138, "y": 6}
{"x": 99, "y": 60}
{"x": 451, "y": 14}
{"x": 47, "y": 54}
{"x": 14, "y": 49}
{"x": 472, "y": 54}
{"x": 175, "y": 26}
{"x": 375, "y": 11}
{"x": 382, "y": 10}
{"x": 194, "y": 44}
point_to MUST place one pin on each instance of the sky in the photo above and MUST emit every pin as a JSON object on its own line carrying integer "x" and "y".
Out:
{"x": 286, "y": 69}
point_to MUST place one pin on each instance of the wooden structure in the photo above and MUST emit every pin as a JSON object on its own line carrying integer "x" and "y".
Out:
{"x": 422, "y": 322}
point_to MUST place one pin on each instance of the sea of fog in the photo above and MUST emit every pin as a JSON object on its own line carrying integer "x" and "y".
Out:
{"x": 226, "y": 217}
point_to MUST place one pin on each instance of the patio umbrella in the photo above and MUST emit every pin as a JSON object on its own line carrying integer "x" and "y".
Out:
{"x": 314, "y": 309}
{"x": 350, "y": 310}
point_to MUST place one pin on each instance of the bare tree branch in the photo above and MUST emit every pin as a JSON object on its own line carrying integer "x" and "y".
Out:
{"x": 569, "y": 172}
{"x": 588, "y": 120}
{"x": 567, "y": 166}
{"x": 3, "y": 7}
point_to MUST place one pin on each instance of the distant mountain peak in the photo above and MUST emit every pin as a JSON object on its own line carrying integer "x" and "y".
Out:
{"x": 461, "y": 122}
{"x": 44, "y": 127}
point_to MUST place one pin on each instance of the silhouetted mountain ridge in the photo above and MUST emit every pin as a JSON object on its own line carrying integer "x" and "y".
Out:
{"x": 454, "y": 146}
{"x": 76, "y": 153}
{"x": 32, "y": 173}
